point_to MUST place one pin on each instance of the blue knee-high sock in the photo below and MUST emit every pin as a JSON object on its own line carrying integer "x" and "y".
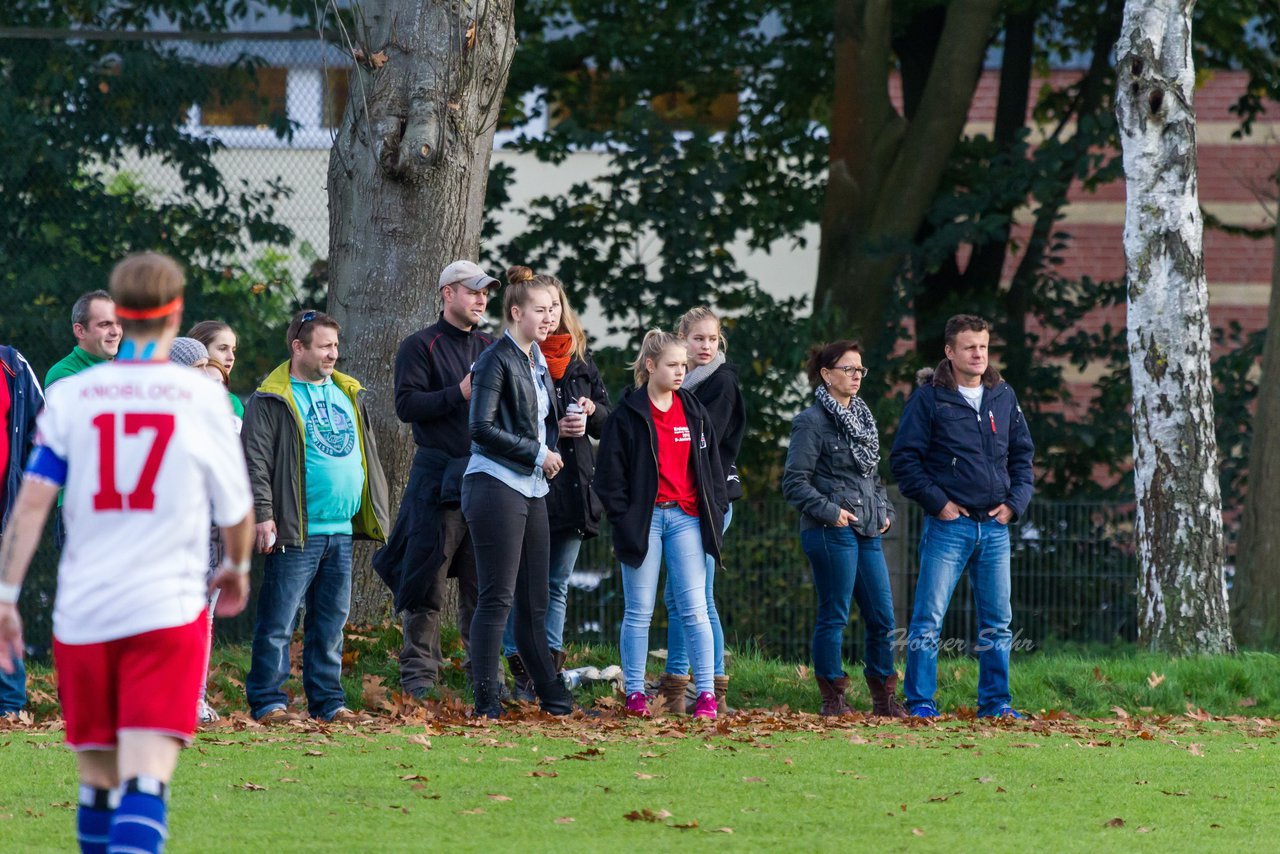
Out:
{"x": 139, "y": 825}
{"x": 93, "y": 820}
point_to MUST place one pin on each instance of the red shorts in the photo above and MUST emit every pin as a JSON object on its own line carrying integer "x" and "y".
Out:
{"x": 149, "y": 682}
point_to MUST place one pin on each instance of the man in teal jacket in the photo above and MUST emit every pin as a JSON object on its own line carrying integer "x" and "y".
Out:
{"x": 317, "y": 485}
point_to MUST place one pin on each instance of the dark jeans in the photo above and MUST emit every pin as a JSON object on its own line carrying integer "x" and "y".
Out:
{"x": 13, "y": 688}
{"x": 848, "y": 565}
{"x": 421, "y": 657}
{"x": 513, "y": 555}
{"x": 319, "y": 576}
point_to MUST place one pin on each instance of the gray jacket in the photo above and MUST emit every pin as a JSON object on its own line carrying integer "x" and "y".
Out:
{"x": 821, "y": 477}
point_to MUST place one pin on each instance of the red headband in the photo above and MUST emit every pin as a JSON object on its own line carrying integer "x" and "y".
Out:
{"x": 149, "y": 313}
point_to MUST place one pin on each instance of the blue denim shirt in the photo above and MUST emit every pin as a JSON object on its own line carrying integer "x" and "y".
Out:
{"x": 532, "y": 485}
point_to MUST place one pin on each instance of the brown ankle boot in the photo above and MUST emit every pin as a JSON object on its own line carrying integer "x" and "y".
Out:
{"x": 884, "y": 696}
{"x": 558, "y": 657}
{"x": 671, "y": 689}
{"x": 722, "y": 692}
{"x": 834, "y": 703}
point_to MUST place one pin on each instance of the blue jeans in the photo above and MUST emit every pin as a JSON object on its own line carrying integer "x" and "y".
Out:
{"x": 13, "y": 688}
{"x": 677, "y": 653}
{"x": 848, "y": 566}
{"x": 564, "y": 557}
{"x": 946, "y": 550}
{"x": 319, "y": 576}
{"x": 677, "y": 536}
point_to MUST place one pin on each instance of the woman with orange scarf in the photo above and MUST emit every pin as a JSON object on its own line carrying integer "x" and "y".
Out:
{"x": 572, "y": 508}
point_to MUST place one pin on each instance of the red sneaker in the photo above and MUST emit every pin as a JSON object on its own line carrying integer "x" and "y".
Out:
{"x": 638, "y": 704}
{"x": 706, "y": 707}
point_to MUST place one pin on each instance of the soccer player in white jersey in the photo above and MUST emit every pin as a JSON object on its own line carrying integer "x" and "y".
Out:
{"x": 145, "y": 450}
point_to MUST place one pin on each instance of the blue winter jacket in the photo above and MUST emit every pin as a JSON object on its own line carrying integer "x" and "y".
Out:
{"x": 25, "y": 402}
{"x": 945, "y": 451}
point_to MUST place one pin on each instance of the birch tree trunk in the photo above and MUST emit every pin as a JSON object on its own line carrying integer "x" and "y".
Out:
{"x": 1182, "y": 594}
{"x": 1256, "y": 611}
{"x": 407, "y": 176}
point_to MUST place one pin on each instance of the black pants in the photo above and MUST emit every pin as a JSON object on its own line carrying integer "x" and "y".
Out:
{"x": 512, "y": 544}
{"x": 421, "y": 657}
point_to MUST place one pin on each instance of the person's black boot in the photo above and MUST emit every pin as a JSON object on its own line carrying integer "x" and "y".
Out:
{"x": 524, "y": 685}
{"x": 487, "y": 703}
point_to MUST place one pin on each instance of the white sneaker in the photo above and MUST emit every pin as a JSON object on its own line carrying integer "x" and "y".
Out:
{"x": 206, "y": 714}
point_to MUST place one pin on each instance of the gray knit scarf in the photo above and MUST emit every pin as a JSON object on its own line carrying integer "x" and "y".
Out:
{"x": 699, "y": 375}
{"x": 858, "y": 426}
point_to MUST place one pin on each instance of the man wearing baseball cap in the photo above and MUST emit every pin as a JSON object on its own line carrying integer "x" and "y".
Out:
{"x": 430, "y": 542}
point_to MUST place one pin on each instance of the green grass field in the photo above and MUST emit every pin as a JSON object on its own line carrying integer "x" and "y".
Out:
{"x": 758, "y": 784}
{"x": 1129, "y": 752}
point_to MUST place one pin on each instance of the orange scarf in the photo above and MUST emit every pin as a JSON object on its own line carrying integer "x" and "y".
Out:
{"x": 557, "y": 350}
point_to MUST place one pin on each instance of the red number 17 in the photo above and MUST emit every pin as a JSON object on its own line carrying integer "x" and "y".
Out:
{"x": 143, "y": 496}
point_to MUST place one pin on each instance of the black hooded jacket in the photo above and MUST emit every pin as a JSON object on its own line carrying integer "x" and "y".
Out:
{"x": 626, "y": 478}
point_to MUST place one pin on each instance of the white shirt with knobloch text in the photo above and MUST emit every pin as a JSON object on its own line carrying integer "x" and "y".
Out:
{"x": 151, "y": 458}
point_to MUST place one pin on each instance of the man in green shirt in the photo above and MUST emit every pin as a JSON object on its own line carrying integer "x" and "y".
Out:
{"x": 93, "y": 322}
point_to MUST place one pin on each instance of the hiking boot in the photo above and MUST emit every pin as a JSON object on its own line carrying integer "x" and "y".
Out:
{"x": 1004, "y": 712}
{"x": 884, "y": 696}
{"x": 555, "y": 698}
{"x": 834, "y": 704}
{"x": 722, "y": 693}
{"x": 925, "y": 709}
{"x": 524, "y": 691}
{"x": 706, "y": 706}
{"x": 671, "y": 689}
{"x": 278, "y": 717}
{"x": 638, "y": 704}
{"x": 345, "y": 716}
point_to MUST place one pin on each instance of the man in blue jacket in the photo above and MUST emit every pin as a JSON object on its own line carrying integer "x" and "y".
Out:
{"x": 20, "y": 402}
{"x": 964, "y": 454}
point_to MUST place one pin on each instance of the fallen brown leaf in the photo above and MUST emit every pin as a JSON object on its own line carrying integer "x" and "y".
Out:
{"x": 647, "y": 815}
{"x": 476, "y": 811}
{"x": 1120, "y": 713}
{"x": 1195, "y": 750}
{"x": 753, "y": 779}
{"x": 564, "y": 819}
{"x": 1155, "y": 679}
{"x": 723, "y": 830}
{"x": 1115, "y": 822}
{"x": 496, "y": 797}
{"x": 917, "y": 831}
{"x": 252, "y": 787}
{"x": 543, "y": 774}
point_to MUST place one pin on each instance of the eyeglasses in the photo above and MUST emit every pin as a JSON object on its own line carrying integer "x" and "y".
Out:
{"x": 850, "y": 370}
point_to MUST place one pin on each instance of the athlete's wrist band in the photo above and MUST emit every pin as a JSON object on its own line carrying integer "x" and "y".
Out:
{"x": 9, "y": 593}
{"x": 241, "y": 568}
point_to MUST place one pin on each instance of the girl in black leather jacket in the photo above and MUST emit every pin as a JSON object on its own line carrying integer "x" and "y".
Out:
{"x": 573, "y": 510}
{"x": 514, "y": 431}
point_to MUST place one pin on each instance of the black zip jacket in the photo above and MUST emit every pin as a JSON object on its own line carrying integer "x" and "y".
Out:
{"x": 721, "y": 394}
{"x": 627, "y": 474}
{"x": 571, "y": 505}
{"x": 429, "y": 365}
{"x": 25, "y": 402}
{"x": 504, "y": 409}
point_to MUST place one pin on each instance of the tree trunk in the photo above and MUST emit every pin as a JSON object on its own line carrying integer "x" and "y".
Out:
{"x": 407, "y": 177}
{"x": 1257, "y": 588}
{"x": 884, "y": 170}
{"x": 1182, "y": 596}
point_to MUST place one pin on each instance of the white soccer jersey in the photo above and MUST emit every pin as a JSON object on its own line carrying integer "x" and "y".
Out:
{"x": 149, "y": 448}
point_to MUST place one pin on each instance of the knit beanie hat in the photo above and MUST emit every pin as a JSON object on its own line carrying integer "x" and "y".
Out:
{"x": 187, "y": 351}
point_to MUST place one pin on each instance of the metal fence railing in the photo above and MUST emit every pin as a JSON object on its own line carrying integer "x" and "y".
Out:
{"x": 1074, "y": 579}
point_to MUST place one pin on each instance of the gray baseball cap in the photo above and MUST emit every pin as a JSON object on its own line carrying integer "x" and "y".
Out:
{"x": 468, "y": 274}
